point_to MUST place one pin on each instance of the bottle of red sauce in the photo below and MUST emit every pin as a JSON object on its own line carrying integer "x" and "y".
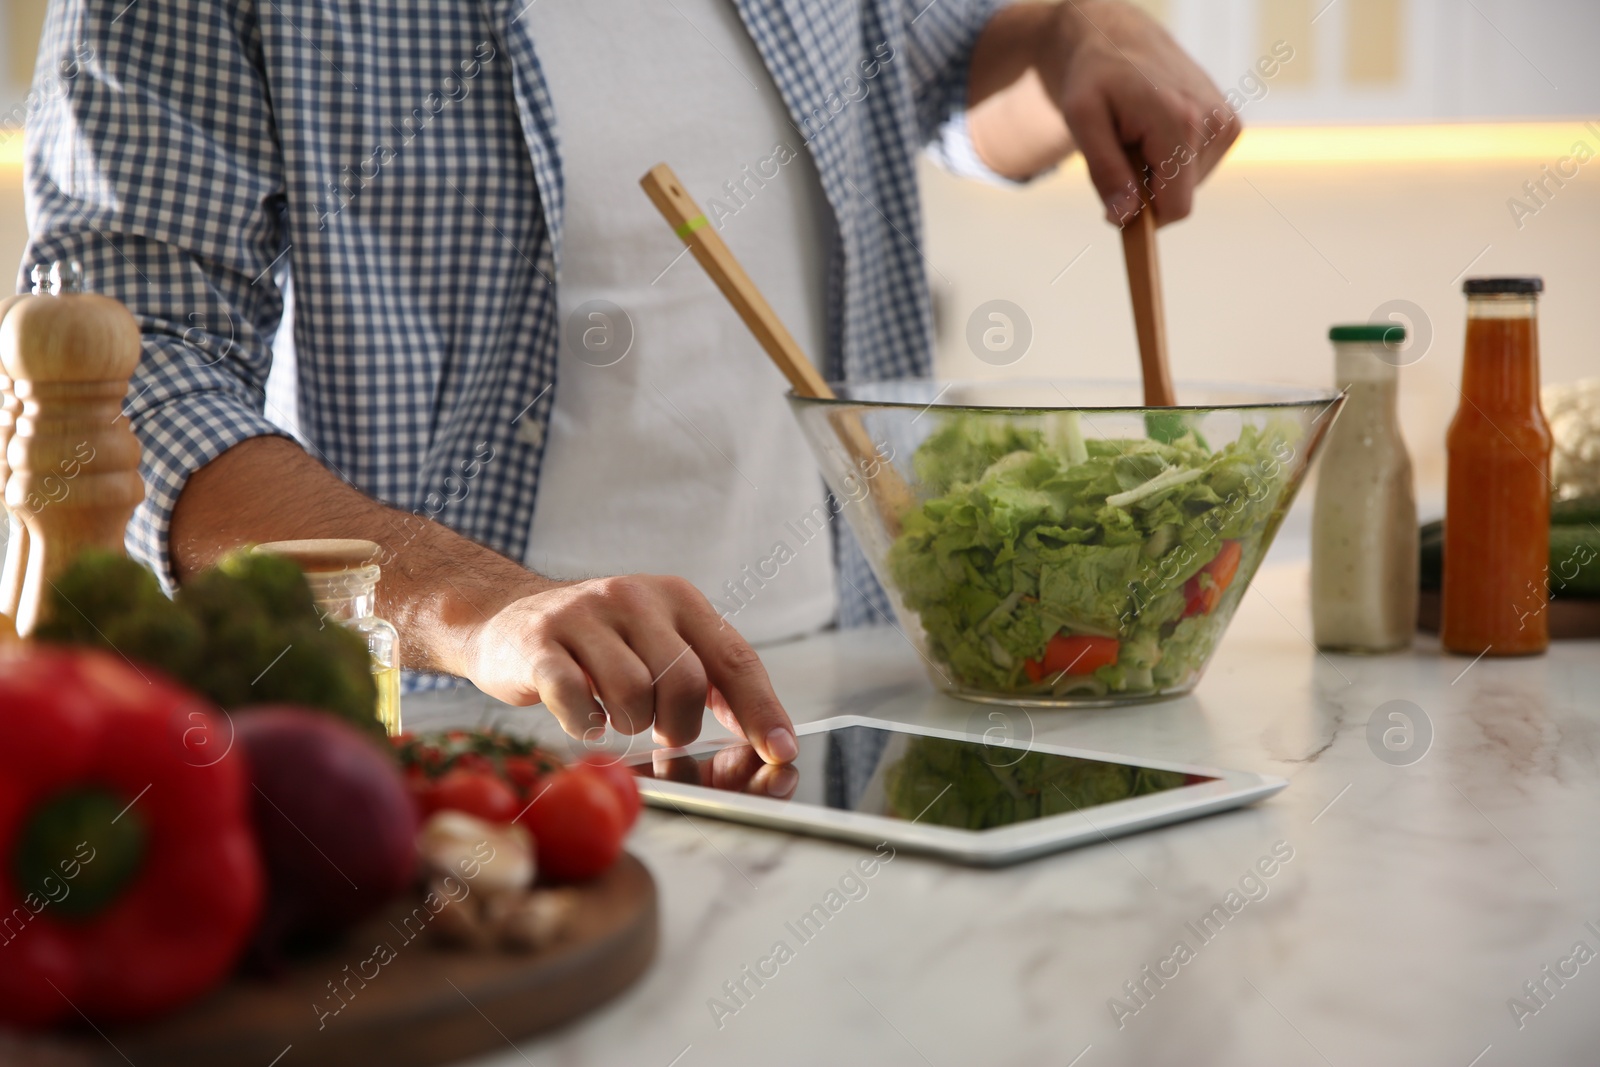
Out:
{"x": 1497, "y": 503}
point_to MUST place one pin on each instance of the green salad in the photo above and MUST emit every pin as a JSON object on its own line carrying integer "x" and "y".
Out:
{"x": 1045, "y": 563}
{"x": 952, "y": 783}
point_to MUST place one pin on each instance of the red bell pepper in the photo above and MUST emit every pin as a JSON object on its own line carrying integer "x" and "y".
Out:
{"x": 129, "y": 875}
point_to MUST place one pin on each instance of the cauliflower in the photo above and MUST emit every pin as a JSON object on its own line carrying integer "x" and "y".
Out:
{"x": 1574, "y": 414}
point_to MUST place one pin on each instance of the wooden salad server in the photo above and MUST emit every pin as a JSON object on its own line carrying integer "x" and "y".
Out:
{"x": 1144, "y": 286}
{"x": 888, "y": 489}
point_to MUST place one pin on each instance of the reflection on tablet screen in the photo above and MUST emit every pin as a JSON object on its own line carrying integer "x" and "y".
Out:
{"x": 965, "y": 784}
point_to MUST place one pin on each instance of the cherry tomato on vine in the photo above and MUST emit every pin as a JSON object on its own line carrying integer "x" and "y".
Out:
{"x": 577, "y": 824}
{"x": 621, "y": 781}
{"x": 475, "y": 792}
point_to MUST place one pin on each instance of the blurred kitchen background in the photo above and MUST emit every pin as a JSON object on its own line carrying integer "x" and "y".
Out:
{"x": 1379, "y": 166}
{"x": 1374, "y": 172}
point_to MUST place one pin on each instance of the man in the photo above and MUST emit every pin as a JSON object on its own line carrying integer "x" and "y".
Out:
{"x": 504, "y": 375}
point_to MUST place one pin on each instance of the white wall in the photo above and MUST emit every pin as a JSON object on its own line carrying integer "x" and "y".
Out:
{"x": 1402, "y": 60}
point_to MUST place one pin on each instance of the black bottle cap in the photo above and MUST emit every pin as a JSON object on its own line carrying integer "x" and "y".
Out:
{"x": 1527, "y": 284}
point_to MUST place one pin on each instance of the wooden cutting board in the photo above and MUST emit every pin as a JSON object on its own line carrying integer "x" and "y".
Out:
{"x": 426, "y": 1006}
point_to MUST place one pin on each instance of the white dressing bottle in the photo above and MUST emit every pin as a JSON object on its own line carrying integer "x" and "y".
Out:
{"x": 1364, "y": 529}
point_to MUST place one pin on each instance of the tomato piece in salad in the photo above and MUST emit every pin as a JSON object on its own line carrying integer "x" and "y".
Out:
{"x": 1073, "y": 654}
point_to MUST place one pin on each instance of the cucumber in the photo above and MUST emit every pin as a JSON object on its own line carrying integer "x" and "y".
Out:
{"x": 1574, "y": 558}
{"x": 1430, "y": 572}
{"x": 1579, "y": 511}
{"x": 1574, "y": 561}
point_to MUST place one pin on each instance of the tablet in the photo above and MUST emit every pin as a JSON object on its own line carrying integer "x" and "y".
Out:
{"x": 970, "y": 799}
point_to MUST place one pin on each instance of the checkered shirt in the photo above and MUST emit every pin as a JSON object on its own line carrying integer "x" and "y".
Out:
{"x": 400, "y": 160}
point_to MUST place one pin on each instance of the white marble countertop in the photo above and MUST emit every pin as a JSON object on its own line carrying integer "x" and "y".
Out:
{"x": 1418, "y": 901}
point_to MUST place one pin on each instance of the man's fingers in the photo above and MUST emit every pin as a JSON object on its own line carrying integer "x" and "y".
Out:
{"x": 620, "y": 676}
{"x": 1167, "y": 128}
{"x": 735, "y": 669}
{"x": 778, "y": 782}
{"x": 1095, "y": 133}
{"x": 677, "y": 769}
{"x": 739, "y": 769}
{"x": 652, "y": 650}
{"x": 723, "y": 711}
{"x": 679, "y": 681}
{"x": 1173, "y": 186}
{"x": 565, "y": 691}
{"x": 1174, "y": 165}
{"x": 1219, "y": 129}
{"x": 733, "y": 767}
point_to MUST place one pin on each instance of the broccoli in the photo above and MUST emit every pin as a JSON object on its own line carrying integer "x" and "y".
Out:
{"x": 317, "y": 670}
{"x": 277, "y": 584}
{"x": 246, "y": 632}
{"x": 109, "y": 601}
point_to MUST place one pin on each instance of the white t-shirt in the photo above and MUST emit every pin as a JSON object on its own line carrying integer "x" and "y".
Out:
{"x": 677, "y": 454}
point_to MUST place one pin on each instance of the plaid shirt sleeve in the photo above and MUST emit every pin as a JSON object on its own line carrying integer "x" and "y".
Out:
{"x": 939, "y": 39}
{"x": 165, "y": 183}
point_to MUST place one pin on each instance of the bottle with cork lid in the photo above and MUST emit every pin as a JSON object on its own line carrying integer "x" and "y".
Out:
{"x": 343, "y": 575}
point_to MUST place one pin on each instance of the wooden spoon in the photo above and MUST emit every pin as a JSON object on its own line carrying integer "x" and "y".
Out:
{"x": 888, "y": 489}
{"x": 1144, "y": 285}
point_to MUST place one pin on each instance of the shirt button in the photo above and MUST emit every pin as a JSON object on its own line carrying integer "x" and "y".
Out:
{"x": 531, "y": 432}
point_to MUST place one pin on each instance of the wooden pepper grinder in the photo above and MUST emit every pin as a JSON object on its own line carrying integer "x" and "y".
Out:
{"x": 16, "y": 560}
{"x": 73, "y": 461}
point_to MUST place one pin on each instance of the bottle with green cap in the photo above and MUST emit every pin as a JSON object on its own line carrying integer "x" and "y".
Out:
{"x": 1364, "y": 529}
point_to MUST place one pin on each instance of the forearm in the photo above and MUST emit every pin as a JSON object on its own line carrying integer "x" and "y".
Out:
{"x": 1016, "y": 128}
{"x": 437, "y": 587}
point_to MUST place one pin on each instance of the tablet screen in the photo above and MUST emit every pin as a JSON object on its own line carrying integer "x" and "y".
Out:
{"x": 964, "y": 784}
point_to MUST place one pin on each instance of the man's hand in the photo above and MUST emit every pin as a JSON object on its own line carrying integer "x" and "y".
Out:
{"x": 652, "y": 648}
{"x": 1121, "y": 81}
{"x": 1104, "y": 77}
{"x": 733, "y": 769}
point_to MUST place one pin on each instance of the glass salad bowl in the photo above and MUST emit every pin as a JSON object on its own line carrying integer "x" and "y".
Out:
{"x": 1057, "y": 544}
